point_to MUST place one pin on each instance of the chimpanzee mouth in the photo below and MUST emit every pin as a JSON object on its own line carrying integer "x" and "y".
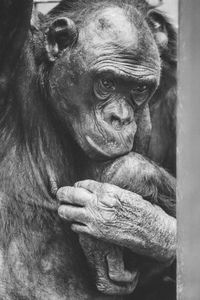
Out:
{"x": 103, "y": 153}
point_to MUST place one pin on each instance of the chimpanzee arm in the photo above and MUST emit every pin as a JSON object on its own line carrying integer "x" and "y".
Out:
{"x": 15, "y": 18}
{"x": 123, "y": 217}
{"x": 132, "y": 222}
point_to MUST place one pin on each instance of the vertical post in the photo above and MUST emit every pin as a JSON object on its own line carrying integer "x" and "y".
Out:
{"x": 189, "y": 152}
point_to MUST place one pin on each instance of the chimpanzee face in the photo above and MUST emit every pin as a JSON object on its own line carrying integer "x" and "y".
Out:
{"x": 100, "y": 86}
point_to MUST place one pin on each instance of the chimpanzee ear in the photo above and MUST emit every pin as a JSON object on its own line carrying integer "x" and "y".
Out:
{"x": 158, "y": 23}
{"x": 61, "y": 34}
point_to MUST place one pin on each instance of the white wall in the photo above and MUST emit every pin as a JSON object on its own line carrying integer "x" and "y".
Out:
{"x": 171, "y": 8}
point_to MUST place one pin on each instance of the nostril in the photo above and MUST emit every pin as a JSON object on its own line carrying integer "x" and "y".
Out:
{"x": 115, "y": 119}
{"x": 116, "y": 122}
{"x": 127, "y": 121}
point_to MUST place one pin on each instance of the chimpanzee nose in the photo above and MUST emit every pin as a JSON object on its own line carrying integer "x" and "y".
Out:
{"x": 117, "y": 121}
{"x": 118, "y": 117}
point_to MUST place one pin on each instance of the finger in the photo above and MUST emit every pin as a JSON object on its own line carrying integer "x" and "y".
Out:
{"x": 116, "y": 268}
{"x": 90, "y": 185}
{"x": 73, "y": 214}
{"x": 73, "y": 195}
{"x": 115, "y": 288}
{"x": 98, "y": 187}
{"x": 78, "y": 228}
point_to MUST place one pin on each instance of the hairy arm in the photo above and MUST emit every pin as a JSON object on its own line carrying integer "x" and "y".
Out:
{"x": 120, "y": 217}
{"x": 123, "y": 216}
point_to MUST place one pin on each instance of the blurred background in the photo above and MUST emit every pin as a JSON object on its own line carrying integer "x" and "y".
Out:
{"x": 168, "y": 6}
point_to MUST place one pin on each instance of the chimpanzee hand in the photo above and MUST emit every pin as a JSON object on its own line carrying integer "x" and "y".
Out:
{"x": 124, "y": 218}
{"x": 107, "y": 265}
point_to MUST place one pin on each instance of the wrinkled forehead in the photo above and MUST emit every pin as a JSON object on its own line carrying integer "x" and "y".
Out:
{"x": 110, "y": 26}
{"x": 118, "y": 30}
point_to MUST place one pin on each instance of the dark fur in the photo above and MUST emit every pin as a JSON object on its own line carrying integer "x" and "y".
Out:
{"x": 35, "y": 149}
{"x": 162, "y": 148}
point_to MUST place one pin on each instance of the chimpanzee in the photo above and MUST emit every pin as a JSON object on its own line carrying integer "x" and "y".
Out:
{"x": 74, "y": 92}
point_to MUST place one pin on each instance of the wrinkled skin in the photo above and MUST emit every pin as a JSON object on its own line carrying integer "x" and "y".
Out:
{"x": 112, "y": 101}
{"x": 74, "y": 90}
{"x": 102, "y": 209}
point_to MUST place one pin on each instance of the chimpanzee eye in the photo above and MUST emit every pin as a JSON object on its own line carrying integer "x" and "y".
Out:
{"x": 140, "y": 95}
{"x": 103, "y": 88}
{"x": 107, "y": 84}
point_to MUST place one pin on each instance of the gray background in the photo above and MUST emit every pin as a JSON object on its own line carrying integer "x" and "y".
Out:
{"x": 189, "y": 151}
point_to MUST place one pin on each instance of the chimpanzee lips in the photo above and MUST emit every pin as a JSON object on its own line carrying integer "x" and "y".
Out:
{"x": 101, "y": 152}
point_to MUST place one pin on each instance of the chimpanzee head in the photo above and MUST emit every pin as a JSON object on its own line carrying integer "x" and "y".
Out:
{"x": 104, "y": 67}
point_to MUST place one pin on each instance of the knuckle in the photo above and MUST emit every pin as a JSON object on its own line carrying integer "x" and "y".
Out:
{"x": 138, "y": 197}
{"x": 92, "y": 215}
{"x": 82, "y": 184}
{"x": 97, "y": 187}
{"x": 108, "y": 201}
{"x": 89, "y": 184}
{"x": 93, "y": 203}
{"x": 112, "y": 190}
{"x": 113, "y": 202}
{"x": 77, "y": 184}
